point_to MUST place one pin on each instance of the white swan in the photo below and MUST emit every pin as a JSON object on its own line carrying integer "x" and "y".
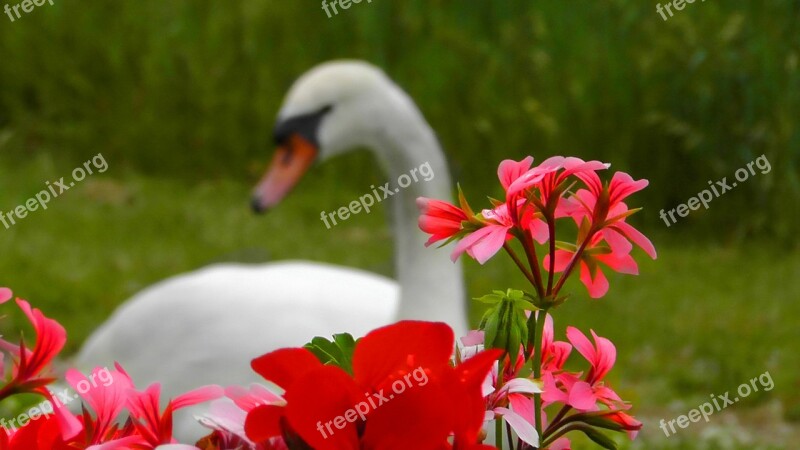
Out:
{"x": 204, "y": 327}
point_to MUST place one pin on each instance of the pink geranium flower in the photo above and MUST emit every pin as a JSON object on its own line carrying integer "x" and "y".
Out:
{"x": 26, "y": 375}
{"x": 485, "y": 242}
{"x": 440, "y": 219}
{"x": 553, "y": 185}
{"x": 585, "y": 394}
{"x": 616, "y": 256}
{"x": 627, "y": 422}
{"x": 517, "y": 177}
{"x": 604, "y": 208}
{"x": 156, "y": 426}
{"x": 227, "y": 418}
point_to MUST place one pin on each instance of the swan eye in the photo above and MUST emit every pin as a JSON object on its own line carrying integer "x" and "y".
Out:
{"x": 305, "y": 125}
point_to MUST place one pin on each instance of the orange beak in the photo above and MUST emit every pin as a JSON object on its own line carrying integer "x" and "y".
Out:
{"x": 290, "y": 162}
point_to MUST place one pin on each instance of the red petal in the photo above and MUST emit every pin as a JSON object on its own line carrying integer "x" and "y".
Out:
{"x": 318, "y": 401}
{"x": 397, "y": 349}
{"x": 264, "y": 422}
{"x": 283, "y": 366}
{"x": 415, "y": 418}
{"x": 466, "y": 396}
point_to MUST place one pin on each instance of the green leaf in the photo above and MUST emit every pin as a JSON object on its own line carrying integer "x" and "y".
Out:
{"x": 495, "y": 202}
{"x": 505, "y": 322}
{"x": 463, "y": 202}
{"x": 490, "y": 299}
{"x": 490, "y": 328}
{"x": 338, "y": 352}
{"x": 561, "y": 245}
{"x": 585, "y": 227}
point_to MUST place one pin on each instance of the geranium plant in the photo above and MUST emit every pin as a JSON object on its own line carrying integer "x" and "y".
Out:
{"x": 543, "y": 205}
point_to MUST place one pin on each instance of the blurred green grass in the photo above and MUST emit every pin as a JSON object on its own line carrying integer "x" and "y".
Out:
{"x": 701, "y": 319}
{"x": 176, "y": 87}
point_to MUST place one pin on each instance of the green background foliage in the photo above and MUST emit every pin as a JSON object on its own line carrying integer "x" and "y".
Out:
{"x": 180, "y": 97}
{"x": 190, "y": 88}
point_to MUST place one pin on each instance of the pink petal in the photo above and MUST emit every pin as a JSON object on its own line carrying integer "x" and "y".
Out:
{"x": 606, "y": 356}
{"x": 176, "y": 447}
{"x": 127, "y": 442}
{"x": 509, "y": 170}
{"x": 473, "y": 337}
{"x": 50, "y": 339}
{"x": 482, "y": 244}
{"x": 69, "y": 425}
{"x": 547, "y": 332}
{"x": 560, "y": 351}
{"x": 582, "y": 344}
{"x": 582, "y": 398}
{"x": 225, "y": 416}
{"x": 523, "y": 406}
{"x": 248, "y": 399}
{"x": 561, "y": 444}
{"x": 522, "y": 427}
{"x": 620, "y": 263}
{"x": 592, "y": 182}
{"x": 609, "y": 396}
{"x": 539, "y": 231}
{"x": 637, "y": 237}
{"x": 5, "y": 295}
{"x": 552, "y": 394}
{"x": 563, "y": 258}
{"x": 622, "y": 185}
{"x": 617, "y": 242}
{"x": 199, "y": 395}
{"x": 523, "y": 385}
{"x": 106, "y": 399}
{"x": 597, "y": 286}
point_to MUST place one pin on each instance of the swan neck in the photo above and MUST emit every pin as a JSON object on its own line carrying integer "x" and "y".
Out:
{"x": 432, "y": 286}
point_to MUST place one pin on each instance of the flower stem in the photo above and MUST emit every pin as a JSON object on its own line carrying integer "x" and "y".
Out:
{"x": 533, "y": 262}
{"x": 575, "y": 258}
{"x": 561, "y": 432}
{"x": 541, "y": 318}
{"x": 519, "y": 264}
{"x": 551, "y": 227}
{"x": 498, "y": 421}
{"x": 554, "y": 424}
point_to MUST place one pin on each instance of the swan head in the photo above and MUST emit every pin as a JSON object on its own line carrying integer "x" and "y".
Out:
{"x": 334, "y": 107}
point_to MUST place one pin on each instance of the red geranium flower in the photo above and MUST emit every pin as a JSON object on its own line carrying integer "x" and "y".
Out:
{"x": 404, "y": 393}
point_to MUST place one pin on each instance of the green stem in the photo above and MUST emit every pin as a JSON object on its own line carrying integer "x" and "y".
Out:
{"x": 575, "y": 258}
{"x": 541, "y": 318}
{"x": 533, "y": 262}
{"x": 554, "y": 424}
{"x": 519, "y": 264}
{"x": 498, "y": 421}
{"x": 561, "y": 432}
{"x": 551, "y": 228}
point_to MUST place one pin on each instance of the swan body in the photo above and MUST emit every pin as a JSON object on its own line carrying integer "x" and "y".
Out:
{"x": 206, "y": 326}
{"x": 265, "y": 302}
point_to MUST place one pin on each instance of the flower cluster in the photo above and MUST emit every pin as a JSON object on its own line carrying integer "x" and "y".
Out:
{"x": 292, "y": 410}
{"x": 562, "y": 196}
{"x": 582, "y": 399}
{"x": 101, "y": 427}
{"x": 536, "y": 198}
{"x": 445, "y": 412}
{"x": 348, "y": 395}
